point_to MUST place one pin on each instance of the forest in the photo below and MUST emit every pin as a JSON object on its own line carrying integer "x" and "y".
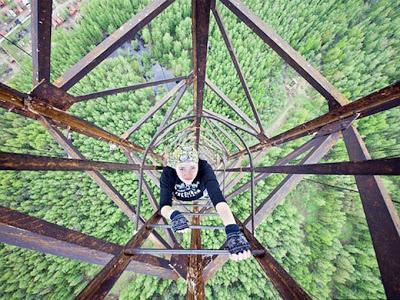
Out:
{"x": 319, "y": 233}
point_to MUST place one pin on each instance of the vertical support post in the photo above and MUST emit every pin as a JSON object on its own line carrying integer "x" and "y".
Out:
{"x": 195, "y": 282}
{"x": 200, "y": 24}
{"x": 383, "y": 221}
{"x": 41, "y": 38}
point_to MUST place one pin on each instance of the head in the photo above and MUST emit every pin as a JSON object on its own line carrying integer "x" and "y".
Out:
{"x": 185, "y": 160}
{"x": 187, "y": 171}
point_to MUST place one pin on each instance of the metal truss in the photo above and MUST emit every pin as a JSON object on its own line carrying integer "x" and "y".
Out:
{"x": 48, "y": 104}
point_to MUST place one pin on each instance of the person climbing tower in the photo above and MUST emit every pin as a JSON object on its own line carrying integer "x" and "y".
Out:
{"x": 189, "y": 178}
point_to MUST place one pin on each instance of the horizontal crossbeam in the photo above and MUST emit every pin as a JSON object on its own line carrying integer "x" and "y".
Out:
{"x": 27, "y": 162}
{"x": 388, "y": 166}
{"x": 24, "y": 231}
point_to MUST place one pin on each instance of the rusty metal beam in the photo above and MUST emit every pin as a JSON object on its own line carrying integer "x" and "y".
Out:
{"x": 101, "y": 181}
{"x": 195, "y": 284}
{"x": 48, "y": 93}
{"x": 232, "y": 105}
{"x": 229, "y": 46}
{"x": 200, "y": 26}
{"x": 156, "y": 107}
{"x": 24, "y": 231}
{"x": 287, "y": 287}
{"x": 100, "y": 285}
{"x": 125, "y": 89}
{"x": 380, "y": 213}
{"x": 383, "y": 166}
{"x": 111, "y": 43}
{"x": 277, "y": 196}
{"x": 41, "y": 39}
{"x": 287, "y": 53}
{"x": 28, "y": 162}
{"x": 12, "y": 99}
{"x": 385, "y": 98}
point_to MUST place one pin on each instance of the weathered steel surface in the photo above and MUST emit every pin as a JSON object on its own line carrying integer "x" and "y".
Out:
{"x": 101, "y": 181}
{"x": 14, "y": 161}
{"x": 229, "y": 46}
{"x": 32, "y": 233}
{"x": 232, "y": 105}
{"x": 156, "y": 107}
{"x": 200, "y": 24}
{"x": 195, "y": 283}
{"x": 22, "y": 102}
{"x": 373, "y": 103}
{"x": 125, "y": 89}
{"x": 287, "y": 287}
{"x": 388, "y": 166}
{"x": 277, "y": 196}
{"x": 381, "y": 215}
{"x": 288, "y": 54}
{"x": 41, "y": 39}
{"x": 100, "y": 285}
{"x": 111, "y": 43}
{"x": 48, "y": 93}
{"x": 7, "y": 93}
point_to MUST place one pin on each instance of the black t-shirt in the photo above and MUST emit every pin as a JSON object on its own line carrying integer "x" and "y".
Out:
{"x": 171, "y": 185}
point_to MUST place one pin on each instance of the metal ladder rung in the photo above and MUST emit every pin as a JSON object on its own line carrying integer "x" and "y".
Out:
{"x": 190, "y": 204}
{"x": 191, "y": 226}
{"x": 199, "y": 214}
{"x": 185, "y": 251}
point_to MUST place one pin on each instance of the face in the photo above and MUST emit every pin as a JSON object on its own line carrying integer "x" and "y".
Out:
{"x": 187, "y": 171}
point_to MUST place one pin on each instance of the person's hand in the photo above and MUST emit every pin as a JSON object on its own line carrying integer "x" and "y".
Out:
{"x": 179, "y": 223}
{"x": 238, "y": 246}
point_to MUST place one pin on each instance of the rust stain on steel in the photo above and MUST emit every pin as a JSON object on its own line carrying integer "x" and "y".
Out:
{"x": 381, "y": 215}
{"x": 195, "y": 282}
{"x": 52, "y": 95}
{"x": 200, "y": 27}
{"x": 111, "y": 43}
{"x": 99, "y": 286}
{"x": 32, "y": 233}
{"x": 286, "y": 52}
{"x": 41, "y": 39}
{"x": 387, "y": 97}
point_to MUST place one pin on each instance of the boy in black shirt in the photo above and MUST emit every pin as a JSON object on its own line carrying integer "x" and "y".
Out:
{"x": 188, "y": 178}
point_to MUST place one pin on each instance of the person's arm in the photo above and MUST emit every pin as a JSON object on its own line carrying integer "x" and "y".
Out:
{"x": 217, "y": 198}
{"x": 166, "y": 189}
